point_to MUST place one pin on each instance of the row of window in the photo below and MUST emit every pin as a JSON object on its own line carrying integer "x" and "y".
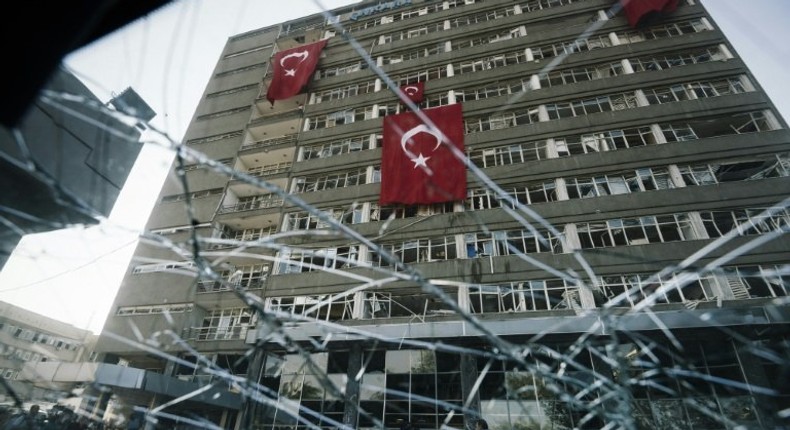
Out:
{"x": 531, "y": 151}
{"x": 20, "y": 354}
{"x": 249, "y": 203}
{"x": 621, "y": 290}
{"x": 639, "y": 180}
{"x": 226, "y": 324}
{"x": 560, "y": 146}
{"x": 606, "y": 103}
{"x": 192, "y": 196}
{"x": 528, "y": 55}
{"x": 611, "y": 140}
{"x": 169, "y": 266}
{"x": 35, "y": 336}
{"x": 553, "y": 111}
{"x": 8, "y": 373}
{"x": 248, "y": 277}
{"x": 406, "y": 14}
{"x": 170, "y": 308}
{"x": 584, "y": 235}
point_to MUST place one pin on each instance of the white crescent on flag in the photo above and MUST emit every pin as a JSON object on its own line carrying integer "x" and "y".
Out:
{"x": 411, "y": 90}
{"x": 420, "y": 160}
{"x": 302, "y": 57}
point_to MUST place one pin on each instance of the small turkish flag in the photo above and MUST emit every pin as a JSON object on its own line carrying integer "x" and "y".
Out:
{"x": 639, "y": 12}
{"x": 418, "y": 164}
{"x": 293, "y": 69}
{"x": 414, "y": 92}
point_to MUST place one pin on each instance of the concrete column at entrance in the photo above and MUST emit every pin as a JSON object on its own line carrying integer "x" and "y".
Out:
{"x": 351, "y": 408}
{"x": 249, "y": 407}
{"x": 754, "y": 375}
{"x": 468, "y": 378}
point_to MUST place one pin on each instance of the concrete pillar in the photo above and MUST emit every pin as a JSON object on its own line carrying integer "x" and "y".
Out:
{"x": 528, "y": 53}
{"x": 754, "y": 375}
{"x": 517, "y": 10}
{"x": 725, "y": 50}
{"x": 448, "y": 46}
{"x": 551, "y": 149}
{"x": 706, "y": 23}
{"x": 675, "y": 176}
{"x": 562, "y": 191}
{"x": 249, "y": 407}
{"x": 627, "y": 67}
{"x": 602, "y": 16}
{"x": 570, "y": 239}
{"x": 614, "y": 39}
{"x": 463, "y": 297}
{"x": 658, "y": 135}
{"x": 353, "y": 379}
{"x": 468, "y": 378}
{"x": 377, "y": 85}
{"x": 534, "y": 82}
{"x": 747, "y": 83}
{"x": 543, "y": 114}
{"x": 771, "y": 119}
{"x": 450, "y": 70}
{"x": 359, "y": 305}
{"x": 451, "y": 97}
{"x": 699, "y": 227}
{"x": 641, "y": 100}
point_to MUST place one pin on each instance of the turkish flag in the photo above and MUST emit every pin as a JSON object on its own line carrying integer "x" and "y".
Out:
{"x": 640, "y": 12}
{"x": 418, "y": 164}
{"x": 414, "y": 92}
{"x": 293, "y": 69}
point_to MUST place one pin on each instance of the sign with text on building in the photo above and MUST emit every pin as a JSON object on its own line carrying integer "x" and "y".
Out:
{"x": 381, "y": 7}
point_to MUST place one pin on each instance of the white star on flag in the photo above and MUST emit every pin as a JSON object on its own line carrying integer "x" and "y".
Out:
{"x": 420, "y": 161}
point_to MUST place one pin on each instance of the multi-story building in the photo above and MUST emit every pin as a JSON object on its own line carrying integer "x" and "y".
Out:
{"x": 34, "y": 347}
{"x": 629, "y": 267}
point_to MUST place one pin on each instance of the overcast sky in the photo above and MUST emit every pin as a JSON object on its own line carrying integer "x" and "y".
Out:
{"x": 168, "y": 58}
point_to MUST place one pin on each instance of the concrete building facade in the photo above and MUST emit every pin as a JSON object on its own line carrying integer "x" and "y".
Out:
{"x": 644, "y": 300}
{"x": 28, "y": 340}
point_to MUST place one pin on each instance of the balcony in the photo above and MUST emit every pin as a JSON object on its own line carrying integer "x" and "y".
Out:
{"x": 258, "y": 202}
{"x": 238, "y": 332}
{"x": 289, "y": 139}
{"x": 268, "y": 170}
{"x": 212, "y": 286}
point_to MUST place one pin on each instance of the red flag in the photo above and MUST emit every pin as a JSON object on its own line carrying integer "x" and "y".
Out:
{"x": 417, "y": 162}
{"x": 414, "y": 92}
{"x": 293, "y": 69}
{"x": 638, "y": 11}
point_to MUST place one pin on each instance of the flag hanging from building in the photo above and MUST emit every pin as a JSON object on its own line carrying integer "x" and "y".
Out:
{"x": 418, "y": 165}
{"x": 293, "y": 69}
{"x": 637, "y": 11}
{"x": 414, "y": 92}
